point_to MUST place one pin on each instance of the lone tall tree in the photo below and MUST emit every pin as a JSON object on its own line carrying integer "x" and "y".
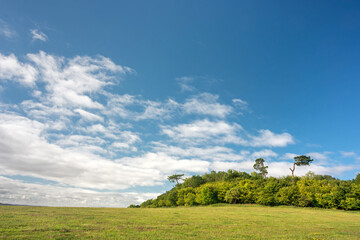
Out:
{"x": 301, "y": 161}
{"x": 259, "y": 166}
{"x": 175, "y": 178}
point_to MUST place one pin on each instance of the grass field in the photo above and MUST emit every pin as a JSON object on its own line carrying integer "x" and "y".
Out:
{"x": 212, "y": 222}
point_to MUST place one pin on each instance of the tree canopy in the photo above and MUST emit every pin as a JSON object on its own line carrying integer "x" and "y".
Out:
{"x": 301, "y": 160}
{"x": 175, "y": 178}
{"x": 237, "y": 187}
{"x": 260, "y": 166}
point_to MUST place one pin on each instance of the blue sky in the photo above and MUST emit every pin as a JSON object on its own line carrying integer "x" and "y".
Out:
{"x": 101, "y": 101}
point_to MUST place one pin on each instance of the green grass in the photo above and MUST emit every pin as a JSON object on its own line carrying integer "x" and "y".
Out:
{"x": 212, "y": 222}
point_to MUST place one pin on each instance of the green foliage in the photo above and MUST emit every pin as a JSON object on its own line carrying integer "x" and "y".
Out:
{"x": 241, "y": 188}
{"x": 175, "y": 178}
{"x": 267, "y": 193}
{"x": 182, "y": 195}
{"x": 233, "y": 195}
{"x": 190, "y": 199}
{"x": 260, "y": 166}
{"x": 288, "y": 195}
{"x": 146, "y": 204}
{"x": 301, "y": 161}
{"x": 206, "y": 194}
{"x": 357, "y": 179}
{"x": 134, "y": 206}
{"x": 193, "y": 181}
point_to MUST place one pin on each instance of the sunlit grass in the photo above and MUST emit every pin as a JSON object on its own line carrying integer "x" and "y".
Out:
{"x": 212, "y": 222}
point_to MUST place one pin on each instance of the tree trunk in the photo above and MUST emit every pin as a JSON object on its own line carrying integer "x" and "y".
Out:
{"x": 292, "y": 170}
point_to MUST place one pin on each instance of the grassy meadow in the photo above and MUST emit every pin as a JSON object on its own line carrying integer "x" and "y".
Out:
{"x": 210, "y": 222}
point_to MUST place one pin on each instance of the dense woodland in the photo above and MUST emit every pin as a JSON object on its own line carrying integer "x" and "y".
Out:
{"x": 237, "y": 187}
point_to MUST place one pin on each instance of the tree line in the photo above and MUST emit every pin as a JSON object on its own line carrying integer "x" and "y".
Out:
{"x": 236, "y": 187}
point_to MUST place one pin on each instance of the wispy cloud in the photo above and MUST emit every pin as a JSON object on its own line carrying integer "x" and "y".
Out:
{"x": 242, "y": 104}
{"x": 206, "y": 104}
{"x": 89, "y": 116}
{"x": 38, "y": 35}
{"x": 5, "y": 30}
{"x": 204, "y": 130}
{"x": 268, "y": 138}
{"x": 185, "y": 83}
{"x": 348, "y": 154}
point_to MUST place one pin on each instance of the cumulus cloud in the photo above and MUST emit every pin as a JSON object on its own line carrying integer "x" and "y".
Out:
{"x": 38, "y": 35}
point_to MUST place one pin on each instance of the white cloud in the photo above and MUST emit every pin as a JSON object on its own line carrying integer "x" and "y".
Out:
{"x": 117, "y": 105}
{"x": 204, "y": 130}
{"x": 126, "y": 140}
{"x": 89, "y": 116}
{"x": 157, "y": 110}
{"x": 201, "y": 131}
{"x": 241, "y": 104}
{"x": 185, "y": 83}
{"x": 136, "y": 108}
{"x": 13, "y": 70}
{"x": 68, "y": 81}
{"x": 79, "y": 140}
{"x": 268, "y": 138}
{"x": 322, "y": 157}
{"x": 38, "y": 35}
{"x": 266, "y": 153}
{"x": 206, "y": 104}
{"x": 24, "y": 151}
{"x": 238, "y": 166}
{"x": 166, "y": 164}
{"x": 18, "y": 192}
{"x": 214, "y": 153}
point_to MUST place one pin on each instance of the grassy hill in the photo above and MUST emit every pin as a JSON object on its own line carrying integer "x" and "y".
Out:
{"x": 205, "y": 222}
